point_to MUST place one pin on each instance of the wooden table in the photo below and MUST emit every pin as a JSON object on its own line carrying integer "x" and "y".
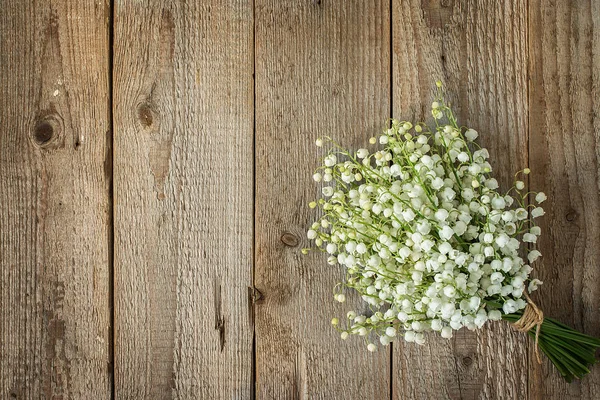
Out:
{"x": 155, "y": 167}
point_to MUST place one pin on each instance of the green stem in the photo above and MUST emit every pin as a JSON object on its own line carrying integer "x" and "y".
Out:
{"x": 571, "y": 352}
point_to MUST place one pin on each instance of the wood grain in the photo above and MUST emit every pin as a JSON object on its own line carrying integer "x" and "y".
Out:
{"x": 322, "y": 68}
{"x": 564, "y": 125}
{"x": 183, "y": 99}
{"x": 192, "y": 219}
{"x": 479, "y": 50}
{"x": 54, "y": 192}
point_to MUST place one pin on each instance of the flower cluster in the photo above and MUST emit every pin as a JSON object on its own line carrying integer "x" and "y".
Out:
{"x": 424, "y": 235}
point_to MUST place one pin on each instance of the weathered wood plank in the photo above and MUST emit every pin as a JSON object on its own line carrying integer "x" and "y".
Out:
{"x": 183, "y": 103}
{"x": 322, "y": 68}
{"x": 564, "y": 125}
{"x": 479, "y": 50}
{"x": 54, "y": 191}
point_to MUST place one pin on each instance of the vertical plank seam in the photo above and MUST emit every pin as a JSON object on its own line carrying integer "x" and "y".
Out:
{"x": 527, "y": 140}
{"x": 254, "y": 355}
{"x": 111, "y": 238}
{"x": 391, "y": 94}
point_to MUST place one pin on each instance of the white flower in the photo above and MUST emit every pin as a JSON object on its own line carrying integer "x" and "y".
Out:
{"x": 463, "y": 157}
{"x": 471, "y": 134}
{"x": 498, "y": 203}
{"x": 491, "y": 183}
{"x": 408, "y": 215}
{"x": 540, "y": 197}
{"x": 517, "y": 282}
{"x": 362, "y": 153}
{"x": 533, "y": 255}
{"x": 319, "y": 142}
{"x": 537, "y": 212}
{"x": 480, "y": 320}
{"x": 496, "y": 277}
{"x": 508, "y": 216}
{"x": 446, "y": 232}
{"x": 533, "y": 285}
{"x": 424, "y": 227}
{"x": 529, "y": 238}
{"x": 449, "y": 291}
{"x": 327, "y": 191}
{"x": 330, "y": 160}
{"x": 495, "y": 315}
{"x": 502, "y": 240}
{"x": 467, "y": 194}
{"x": 436, "y": 325}
{"x": 488, "y": 238}
{"x": 340, "y": 297}
{"x": 361, "y": 248}
{"x": 520, "y": 185}
{"x": 446, "y": 332}
{"x": 384, "y": 340}
{"x": 509, "y": 306}
{"x": 437, "y": 183}
{"x": 426, "y": 245}
{"x": 445, "y": 248}
{"x": 460, "y": 228}
{"x": 311, "y": 234}
{"x": 371, "y": 347}
{"x": 521, "y": 214}
{"x": 441, "y": 215}
{"x": 510, "y": 228}
{"x": 474, "y": 302}
{"x": 535, "y": 230}
{"x": 317, "y": 177}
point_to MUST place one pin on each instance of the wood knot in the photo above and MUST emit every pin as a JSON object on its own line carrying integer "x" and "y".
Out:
{"x": 289, "y": 239}
{"x": 467, "y": 361}
{"x": 43, "y": 132}
{"x": 145, "y": 115}
{"x": 47, "y": 130}
{"x": 571, "y": 216}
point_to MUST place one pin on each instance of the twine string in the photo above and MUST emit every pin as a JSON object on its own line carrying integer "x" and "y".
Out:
{"x": 532, "y": 316}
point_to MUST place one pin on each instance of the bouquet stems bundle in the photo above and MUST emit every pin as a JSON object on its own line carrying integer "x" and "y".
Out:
{"x": 429, "y": 242}
{"x": 571, "y": 352}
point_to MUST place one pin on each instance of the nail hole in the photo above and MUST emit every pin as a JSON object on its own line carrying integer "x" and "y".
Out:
{"x": 43, "y": 132}
{"x": 467, "y": 361}
{"x": 571, "y": 216}
{"x": 289, "y": 239}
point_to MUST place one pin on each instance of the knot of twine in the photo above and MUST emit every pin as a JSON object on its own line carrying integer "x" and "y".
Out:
{"x": 532, "y": 316}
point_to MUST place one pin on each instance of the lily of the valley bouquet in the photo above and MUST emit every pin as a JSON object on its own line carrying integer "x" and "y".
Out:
{"x": 430, "y": 243}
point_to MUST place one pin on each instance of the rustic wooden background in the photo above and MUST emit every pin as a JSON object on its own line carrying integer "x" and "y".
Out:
{"x": 155, "y": 169}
